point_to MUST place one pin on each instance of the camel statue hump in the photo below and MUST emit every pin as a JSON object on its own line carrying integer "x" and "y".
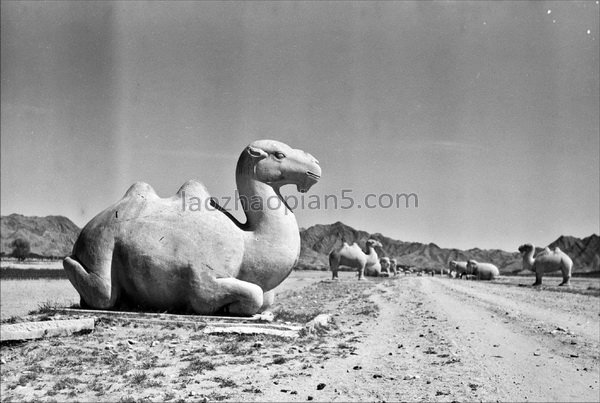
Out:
{"x": 193, "y": 188}
{"x": 354, "y": 248}
{"x": 548, "y": 253}
{"x": 140, "y": 189}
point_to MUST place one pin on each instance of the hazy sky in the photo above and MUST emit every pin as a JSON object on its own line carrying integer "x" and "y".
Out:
{"x": 488, "y": 111}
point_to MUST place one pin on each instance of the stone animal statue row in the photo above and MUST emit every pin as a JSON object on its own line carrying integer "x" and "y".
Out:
{"x": 546, "y": 261}
{"x": 367, "y": 263}
{"x": 147, "y": 251}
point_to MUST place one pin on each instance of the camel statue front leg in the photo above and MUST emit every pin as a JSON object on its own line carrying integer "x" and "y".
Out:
{"x": 566, "y": 266}
{"x": 566, "y": 282}
{"x": 538, "y": 278}
{"x": 236, "y": 296}
{"x": 361, "y": 272}
{"x": 334, "y": 271}
{"x": 566, "y": 279}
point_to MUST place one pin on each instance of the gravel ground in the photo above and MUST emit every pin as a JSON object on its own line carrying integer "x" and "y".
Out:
{"x": 404, "y": 338}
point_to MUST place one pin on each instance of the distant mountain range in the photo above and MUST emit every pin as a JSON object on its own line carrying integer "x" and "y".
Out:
{"x": 319, "y": 240}
{"x": 55, "y": 236}
{"x": 51, "y": 236}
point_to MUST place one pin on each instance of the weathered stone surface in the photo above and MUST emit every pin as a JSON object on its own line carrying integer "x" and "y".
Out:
{"x": 187, "y": 253}
{"x": 38, "y": 330}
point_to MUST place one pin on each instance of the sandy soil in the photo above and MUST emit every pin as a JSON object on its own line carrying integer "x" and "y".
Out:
{"x": 405, "y": 338}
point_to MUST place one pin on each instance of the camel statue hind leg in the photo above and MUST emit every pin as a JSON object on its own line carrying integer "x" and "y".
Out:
{"x": 93, "y": 270}
{"x": 91, "y": 286}
{"x": 334, "y": 263}
{"x": 566, "y": 267}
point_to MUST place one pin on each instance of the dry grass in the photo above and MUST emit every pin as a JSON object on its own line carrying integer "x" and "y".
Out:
{"x": 134, "y": 361}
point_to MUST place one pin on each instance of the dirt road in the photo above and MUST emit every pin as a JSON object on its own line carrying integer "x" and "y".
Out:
{"x": 438, "y": 339}
{"x": 405, "y": 338}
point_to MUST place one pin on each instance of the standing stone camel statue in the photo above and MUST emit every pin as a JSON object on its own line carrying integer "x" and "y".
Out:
{"x": 187, "y": 253}
{"x": 482, "y": 271}
{"x": 367, "y": 263}
{"x": 546, "y": 261}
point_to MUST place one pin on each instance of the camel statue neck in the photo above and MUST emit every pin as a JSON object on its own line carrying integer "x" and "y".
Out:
{"x": 528, "y": 258}
{"x": 272, "y": 237}
{"x": 371, "y": 251}
{"x": 263, "y": 205}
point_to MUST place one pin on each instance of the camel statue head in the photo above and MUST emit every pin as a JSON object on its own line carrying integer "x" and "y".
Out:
{"x": 526, "y": 248}
{"x": 374, "y": 243}
{"x": 277, "y": 164}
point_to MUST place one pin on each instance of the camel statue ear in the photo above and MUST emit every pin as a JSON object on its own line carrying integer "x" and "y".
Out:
{"x": 256, "y": 152}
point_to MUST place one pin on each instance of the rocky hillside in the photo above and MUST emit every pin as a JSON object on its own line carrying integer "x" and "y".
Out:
{"x": 319, "y": 240}
{"x": 55, "y": 236}
{"x": 51, "y": 236}
{"x": 584, "y": 252}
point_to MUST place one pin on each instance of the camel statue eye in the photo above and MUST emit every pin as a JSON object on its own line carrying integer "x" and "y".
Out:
{"x": 279, "y": 155}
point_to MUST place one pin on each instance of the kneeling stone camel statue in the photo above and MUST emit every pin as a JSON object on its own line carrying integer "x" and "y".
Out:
{"x": 482, "y": 271}
{"x": 149, "y": 251}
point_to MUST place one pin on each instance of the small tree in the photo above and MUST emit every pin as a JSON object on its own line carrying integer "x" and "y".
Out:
{"x": 21, "y": 248}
